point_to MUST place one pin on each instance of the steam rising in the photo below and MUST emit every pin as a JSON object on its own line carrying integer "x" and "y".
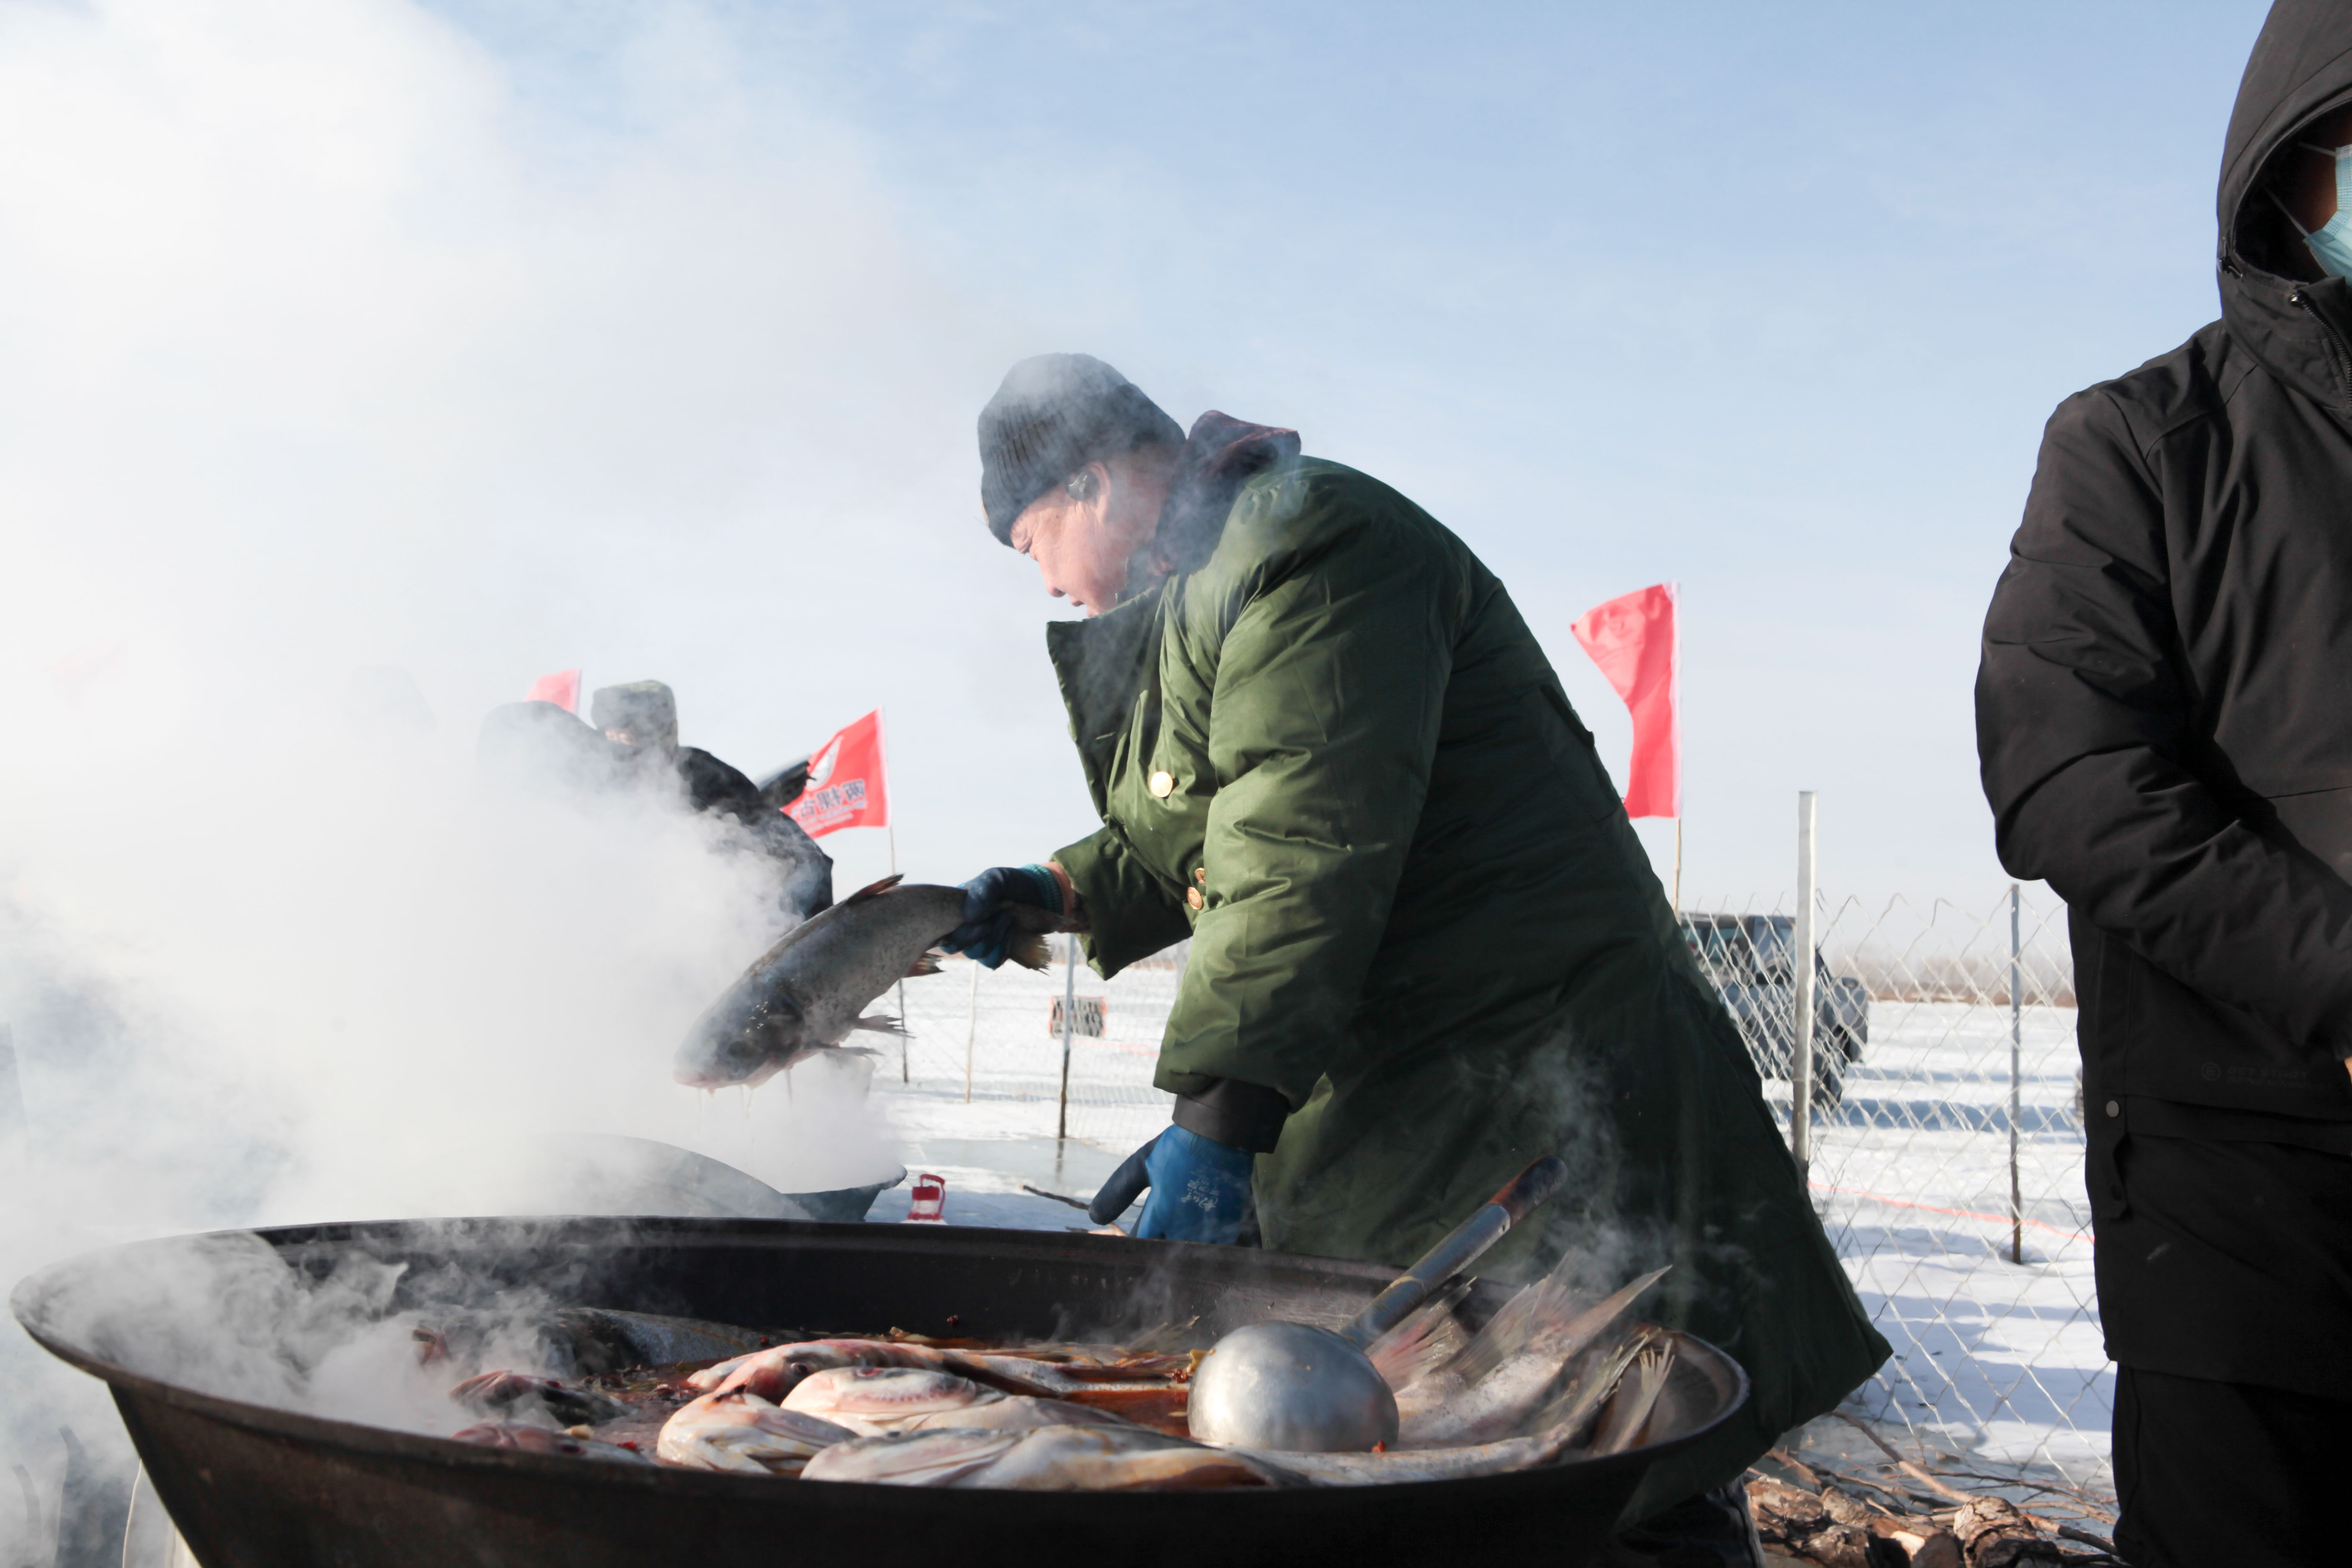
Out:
{"x": 339, "y": 397}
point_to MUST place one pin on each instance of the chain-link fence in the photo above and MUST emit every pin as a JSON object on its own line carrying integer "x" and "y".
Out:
{"x": 1947, "y": 1160}
{"x": 1945, "y": 1141}
{"x": 985, "y": 1053}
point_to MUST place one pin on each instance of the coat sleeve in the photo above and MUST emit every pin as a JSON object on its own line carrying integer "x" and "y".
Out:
{"x": 2085, "y": 739}
{"x": 1130, "y": 913}
{"x": 1323, "y": 727}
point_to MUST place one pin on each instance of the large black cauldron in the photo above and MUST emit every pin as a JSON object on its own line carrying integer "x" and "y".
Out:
{"x": 252, "y": 1487}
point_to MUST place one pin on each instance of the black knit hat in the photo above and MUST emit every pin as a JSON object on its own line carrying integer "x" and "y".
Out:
{"x": 1055, "y": 415}
{"x": 647, "y": 710}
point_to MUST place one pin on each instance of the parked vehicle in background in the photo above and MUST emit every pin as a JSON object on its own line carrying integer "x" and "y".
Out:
{"x": 1748, "y": 959}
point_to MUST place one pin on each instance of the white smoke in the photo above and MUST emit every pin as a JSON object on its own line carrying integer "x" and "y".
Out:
{"x": 324, "y": 350}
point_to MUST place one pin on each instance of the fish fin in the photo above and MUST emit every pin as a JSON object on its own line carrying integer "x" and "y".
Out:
{"x": 1570, "y": 1414}
{"x": 1424, "y": 1342}
{"x": 873, "y": 890}
{"x": 881, "y": 1024}
{"x": 858, "y": 1051}
{"x": 926, "y": 964}
{"x": 1029, "y": 949}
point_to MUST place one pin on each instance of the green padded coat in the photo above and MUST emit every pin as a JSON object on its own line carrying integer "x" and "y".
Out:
{"x": 1333, "y": 755}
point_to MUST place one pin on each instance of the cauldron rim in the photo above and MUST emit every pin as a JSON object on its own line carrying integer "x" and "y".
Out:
{"x": 367, "y": 1438}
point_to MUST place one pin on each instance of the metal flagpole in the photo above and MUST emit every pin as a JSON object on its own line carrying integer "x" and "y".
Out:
{"x": 2016, "y": 1050}
{"x": 1069, "y": 1016}
{"x": 891, "y": 829}
{"x": 1801, "y": 994}
{"x": 1678, "y": 866}
{"x": 971, "y": 1030}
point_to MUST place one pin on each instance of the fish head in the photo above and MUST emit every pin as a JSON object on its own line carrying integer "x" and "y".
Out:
{"x": 882, "y": 1392}
{"x": 745, "y": 1045}
{"x": 771, "y": 1380}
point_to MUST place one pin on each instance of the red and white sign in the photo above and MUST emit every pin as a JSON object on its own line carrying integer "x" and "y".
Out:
{"x": 563, "y": 689}
{"x": 845, "y": 787}
{"x": 1638, "y": 645}
{"x": 929, "y": 1201}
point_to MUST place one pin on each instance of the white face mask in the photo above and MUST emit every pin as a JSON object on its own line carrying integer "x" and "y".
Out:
{"x": 2331, "y": 242}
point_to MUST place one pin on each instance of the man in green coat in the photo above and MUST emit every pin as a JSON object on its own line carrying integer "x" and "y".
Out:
{"x": 1426, "y": 946}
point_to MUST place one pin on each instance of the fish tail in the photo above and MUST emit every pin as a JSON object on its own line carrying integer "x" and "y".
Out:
{"x": 1030, "y": 950}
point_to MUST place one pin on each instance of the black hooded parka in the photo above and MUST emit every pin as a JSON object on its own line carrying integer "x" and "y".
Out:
{"x": 2164, "y": 718}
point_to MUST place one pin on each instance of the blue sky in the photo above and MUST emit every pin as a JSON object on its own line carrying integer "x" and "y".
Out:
{"x": 683, "y": 312}
{"x": 1772, "y": 301}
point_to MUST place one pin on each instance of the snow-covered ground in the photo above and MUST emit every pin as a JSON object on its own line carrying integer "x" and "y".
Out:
{"x": 1995, "y": 1361}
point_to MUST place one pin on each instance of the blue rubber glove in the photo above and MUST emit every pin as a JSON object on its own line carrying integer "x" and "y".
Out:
{"x": 986, "y": 933}
{"x": 1200, "y": 1189}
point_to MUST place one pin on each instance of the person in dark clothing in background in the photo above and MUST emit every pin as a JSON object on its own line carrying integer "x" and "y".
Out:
{"x": 641, "y": 720}
{"x": 2166, "y": 733}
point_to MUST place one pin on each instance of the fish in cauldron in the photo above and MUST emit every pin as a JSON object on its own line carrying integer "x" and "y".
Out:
{"x": 520, "y": 1394}
{"x": 536, "y": 1439}
{"x": 937, "y": 1448}
{"x": 1044, "y": 1459}
{"x": 872, "y": 1400}
{"x": 774, "y": 1372}
{"x": 742, "y": 1432}
{"x": 805, "y": 994}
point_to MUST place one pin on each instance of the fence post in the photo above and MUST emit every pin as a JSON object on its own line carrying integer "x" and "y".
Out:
{"x": 971, "y": 1030}
{"x": 1069, "y": 1017}
{"x": 2016, "y": 1054}
{"x": 1800, "y": 995}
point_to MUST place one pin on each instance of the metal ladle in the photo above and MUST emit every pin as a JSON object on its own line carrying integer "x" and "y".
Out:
{"x": 1294, "y": 1387}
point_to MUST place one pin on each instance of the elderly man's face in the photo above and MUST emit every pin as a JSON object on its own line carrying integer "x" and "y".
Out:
{"x": 1081, "y": 541}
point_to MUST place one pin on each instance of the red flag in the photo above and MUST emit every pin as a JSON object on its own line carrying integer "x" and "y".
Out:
{"x": 563, "y": 689}
{"x": 846, "y": 788}
{"x": 1635, "y": 642}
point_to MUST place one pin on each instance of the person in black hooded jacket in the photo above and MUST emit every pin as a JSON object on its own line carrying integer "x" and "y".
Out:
{"x": 2164, "y": 718}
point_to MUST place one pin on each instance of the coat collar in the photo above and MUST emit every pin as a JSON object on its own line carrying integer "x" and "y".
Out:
{"x": 1221, "y": 456}
{"x": 1103, "y": 663}
{"x": 1107, "y": 663}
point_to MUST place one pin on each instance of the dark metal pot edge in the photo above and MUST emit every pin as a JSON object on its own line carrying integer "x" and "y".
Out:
{"x": 361, "y": 1439}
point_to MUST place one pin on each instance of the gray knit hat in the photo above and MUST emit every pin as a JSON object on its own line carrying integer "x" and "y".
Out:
{"x": 1055, "y": 415}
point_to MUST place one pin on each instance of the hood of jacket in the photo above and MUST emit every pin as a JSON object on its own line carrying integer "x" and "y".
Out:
{"x": 2301, "y": 69}
{"x": 1220, "y": 455}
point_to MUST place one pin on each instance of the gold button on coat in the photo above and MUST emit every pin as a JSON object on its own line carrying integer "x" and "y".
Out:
{"x": 1192, "y": 897}
{"x": 1161, "y": 783}
{"x": 1201, "y": 875}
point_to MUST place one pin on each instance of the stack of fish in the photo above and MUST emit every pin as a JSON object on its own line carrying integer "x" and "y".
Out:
{"x": 1554, "y": 1374}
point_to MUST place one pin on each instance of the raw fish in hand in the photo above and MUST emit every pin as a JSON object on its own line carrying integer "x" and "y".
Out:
{"x": 807, "y": 994}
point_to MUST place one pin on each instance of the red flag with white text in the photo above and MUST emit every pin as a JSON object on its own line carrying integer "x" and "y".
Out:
{"x": 845, "y": 787}
{"x": 563, "y": 689}
{"x": 1636, "y": 641}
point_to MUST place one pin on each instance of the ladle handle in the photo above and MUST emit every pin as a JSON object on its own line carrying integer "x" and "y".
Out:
{"x": 1461, "y": 1247}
